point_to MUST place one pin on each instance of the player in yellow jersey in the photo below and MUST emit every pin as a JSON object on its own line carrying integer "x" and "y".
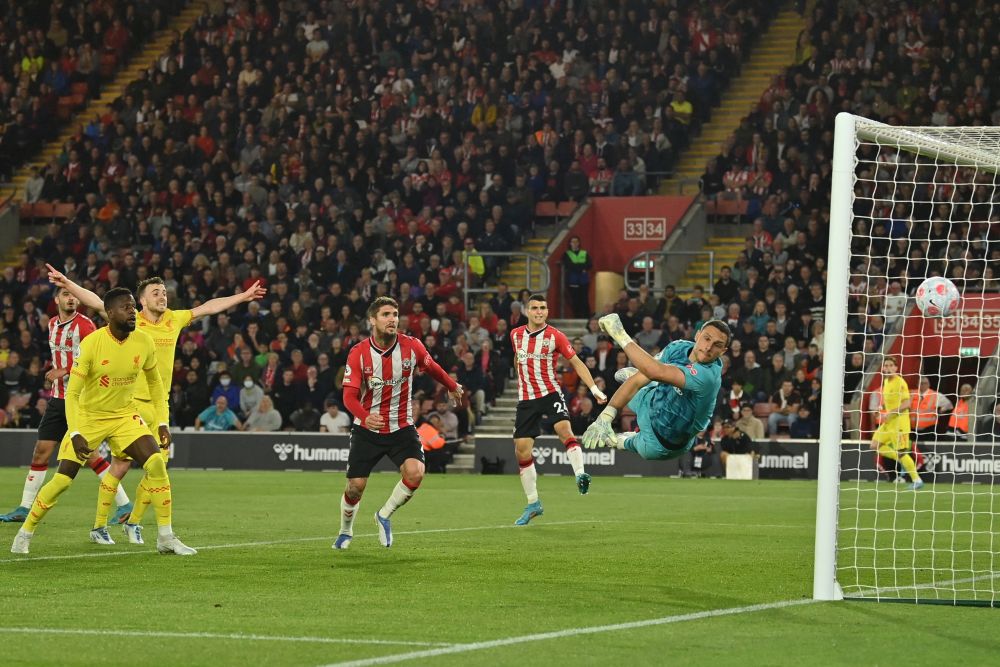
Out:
{"x": 892, "y": 438}
{"x": 100, "y": 405}
{"x": 165, "y": 326}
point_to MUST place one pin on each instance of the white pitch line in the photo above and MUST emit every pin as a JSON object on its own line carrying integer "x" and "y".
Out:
{"x": 239, "y": 545}
{"x": 237, "y": 636}
{"x": 569, "y": 632}
{"x": 294, "y": 540}
{"x": 574, "y": 632}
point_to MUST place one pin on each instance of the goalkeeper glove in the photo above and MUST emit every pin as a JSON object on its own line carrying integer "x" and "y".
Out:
{"x": 600, "y": 433}
{"x": 612, "y": 325}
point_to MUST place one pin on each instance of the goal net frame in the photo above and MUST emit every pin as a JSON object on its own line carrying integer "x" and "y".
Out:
{"x": 850, "y": 132}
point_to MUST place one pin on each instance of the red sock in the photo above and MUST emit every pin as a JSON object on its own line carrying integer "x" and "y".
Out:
{"x": 99, "y": 465}
{"x": 572, "y": 442}
{"x": 351, "y": 502}
{"x": 411, "y": 487}
{"x": 526, "y": 463}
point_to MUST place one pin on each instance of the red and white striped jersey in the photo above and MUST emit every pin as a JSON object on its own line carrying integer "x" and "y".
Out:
{"x": 64, "y": 344}
{"x": 536, "y": 353}
{"x": 384, "y": 378}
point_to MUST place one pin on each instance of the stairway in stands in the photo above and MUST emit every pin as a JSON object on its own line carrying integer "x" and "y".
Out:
{"x": 774, "y": 53}
{"x": 500, "y": 420}
{"x": 149, "y": 54}
{"x": 726, "y": 248}
{"x": 515, "y": 274}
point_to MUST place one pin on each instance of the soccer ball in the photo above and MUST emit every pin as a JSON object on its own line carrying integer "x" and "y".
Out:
{"x": 937, "y": 297}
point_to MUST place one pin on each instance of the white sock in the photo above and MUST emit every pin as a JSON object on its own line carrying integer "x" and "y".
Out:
{"x": 165, "y": 530}
{"x": 399, "y": 497}
{"x": 529, "y": 481}
{"x": 575, "y": 455}
{"x": 32, "y": 483}
{"x": 121, "y": 498}
{"x": 347, "y": 514}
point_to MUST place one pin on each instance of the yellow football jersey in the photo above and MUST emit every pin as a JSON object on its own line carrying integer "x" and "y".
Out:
{"x": 164, "y": 334}
{"x": 106, "y": 376}
{"x": 895, "y": 393}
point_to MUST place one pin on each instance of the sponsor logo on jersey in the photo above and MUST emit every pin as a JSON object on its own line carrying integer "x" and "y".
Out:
{"x": 105, "y": 381}
{"x": 376, "y": 383}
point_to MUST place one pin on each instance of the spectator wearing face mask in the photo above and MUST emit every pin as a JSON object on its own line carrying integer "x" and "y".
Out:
{"x": 227, "y": 388}
{"x": 250, "y": 396}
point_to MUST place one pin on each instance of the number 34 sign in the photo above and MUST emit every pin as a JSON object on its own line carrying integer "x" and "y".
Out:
{"x": 645, "y": 229}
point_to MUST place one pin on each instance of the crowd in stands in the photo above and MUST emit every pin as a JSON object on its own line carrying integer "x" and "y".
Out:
{"x": 340, "y": 151}
{"x": 58, "y": 54}
{"x": 907, "y": 63}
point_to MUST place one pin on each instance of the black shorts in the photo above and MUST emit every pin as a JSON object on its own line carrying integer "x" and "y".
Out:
{"x": 53, "y": 425}
{"x": 368, "y": 448}
{"x": 530, "y": 413}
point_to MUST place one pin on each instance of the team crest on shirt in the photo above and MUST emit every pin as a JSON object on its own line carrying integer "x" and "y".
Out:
{"x": 407, "y": 364}
{"x": 545, "y": 343}
{"x": 692, "y": 369}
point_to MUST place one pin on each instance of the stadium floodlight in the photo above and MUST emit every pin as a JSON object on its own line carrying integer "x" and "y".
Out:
{"x": 908, "y": 203}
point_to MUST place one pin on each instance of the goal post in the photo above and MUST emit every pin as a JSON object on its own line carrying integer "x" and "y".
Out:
{"x": 906, "y": 203}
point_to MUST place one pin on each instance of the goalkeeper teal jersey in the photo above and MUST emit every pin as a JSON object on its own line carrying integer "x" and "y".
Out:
{"x": 673, "y": 415}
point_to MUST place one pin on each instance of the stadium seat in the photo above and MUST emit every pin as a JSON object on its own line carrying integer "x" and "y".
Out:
{"x": 762, "y": 410}
{"x": 63, "y": 211}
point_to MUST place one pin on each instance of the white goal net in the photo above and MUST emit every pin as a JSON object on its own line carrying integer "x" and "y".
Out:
{"x": 919, "y": 519}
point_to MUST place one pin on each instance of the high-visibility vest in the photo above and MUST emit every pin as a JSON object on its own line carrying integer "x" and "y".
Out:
{"x": 430, "y": 437}
{"x": 925, "y": 407}
{"x": 959, "y": 420}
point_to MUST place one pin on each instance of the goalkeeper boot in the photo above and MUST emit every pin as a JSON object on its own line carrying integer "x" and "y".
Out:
{"x": 22, "y": 542}
{"x": 101, "y": 536}
{"x": 384, "y": 530}
{"x": 169, "y": 544}
{"x": 343, "y": 541}
{"x": 530, "y": 512}
{"x": 917, "y": 485}
{"x": 133, "y": 532}
{"x": 623, "y": 374}
{"x": 122, "y": 514}
{"x": 583, "y": 483}
{"x": 17, "y": 515}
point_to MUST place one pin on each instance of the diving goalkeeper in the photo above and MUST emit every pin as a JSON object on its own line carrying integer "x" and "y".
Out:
{"x": 673, "y": 397}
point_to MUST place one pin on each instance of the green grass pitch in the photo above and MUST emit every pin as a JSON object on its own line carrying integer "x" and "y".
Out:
{"x": 461, "y": 585}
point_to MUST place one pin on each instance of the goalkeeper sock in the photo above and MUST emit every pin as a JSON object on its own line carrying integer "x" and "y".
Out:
{"x": 529, "y": 479}
{"x": 575, "y": 455}
{"x": 399, "y": 497}
{"x": 159, "y": 491}
{"x": 105, "y": 496}
{"x": 348, "y": 510}
{"x": 32, "y": 483}
{"x": 46, "y": 500}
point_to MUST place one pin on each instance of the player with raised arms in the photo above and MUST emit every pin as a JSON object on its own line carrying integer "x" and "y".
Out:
{"x": 100, "y": 405}
{"x": 66, "y": 331}
{"x": 378, "y": 392}
{"x": 672, "y": 396}
{"x": 164, "y": 326}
